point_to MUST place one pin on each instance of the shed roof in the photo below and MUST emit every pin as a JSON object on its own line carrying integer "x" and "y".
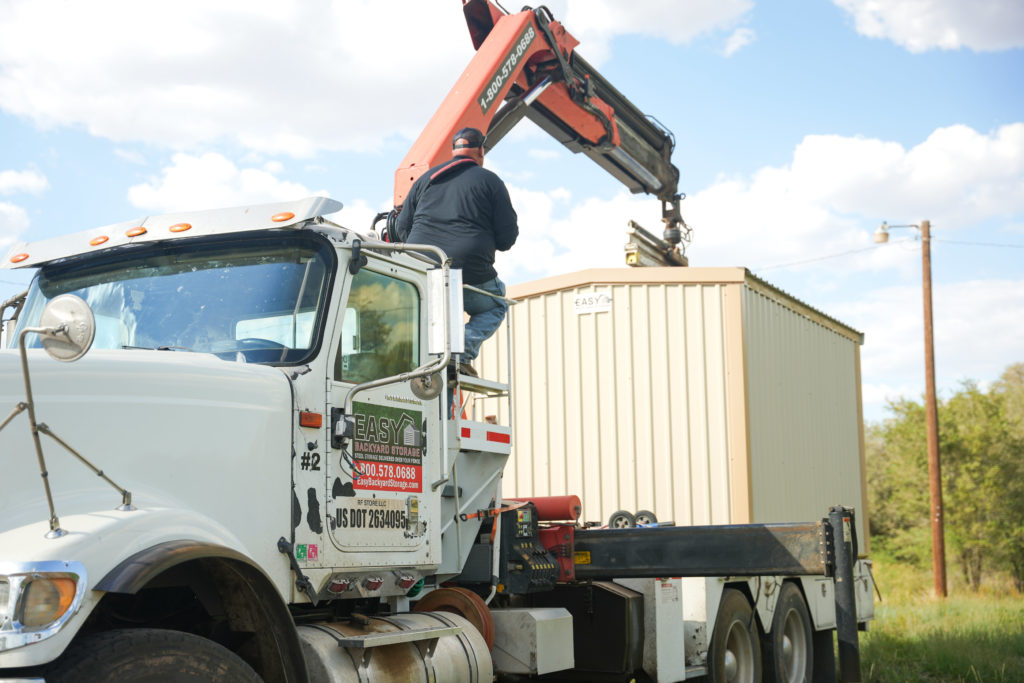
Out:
{"x": 677, "y": 275}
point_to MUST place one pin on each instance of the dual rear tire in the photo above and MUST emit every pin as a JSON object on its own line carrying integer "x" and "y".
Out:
{"x": 740, "y": 653}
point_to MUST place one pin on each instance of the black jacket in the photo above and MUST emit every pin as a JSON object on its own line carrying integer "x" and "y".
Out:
{"x": 463, "y": 209}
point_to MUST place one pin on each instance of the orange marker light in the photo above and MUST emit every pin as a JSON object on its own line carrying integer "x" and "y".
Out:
{"x": 18, "y": 258}
{"x": 315, "y": 420}
{"x": 135, "y": 232}
{"x": 180, "y": 227}
{"x": 279, "y": 217}
{"x": 97, "y": 241}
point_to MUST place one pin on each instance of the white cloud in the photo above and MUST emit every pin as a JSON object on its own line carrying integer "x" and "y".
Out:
{"x": 31, "y": 182}
{"x": 596, "y": 22}
{"x": 274, "y": 77}
{"x": 131, "y": 156}
{"x": 919, "y": 25}
{"x": 13, "y": 220}
{"x": 739, "y": 39}
{"x": 210, "y": 181}
{"x": 828, "y": 200}
{"x": 977, "y": 328}
{"x": 837, "y": 189}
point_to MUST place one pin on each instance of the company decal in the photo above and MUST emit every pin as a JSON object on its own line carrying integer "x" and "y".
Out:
{"x": 387, "y": 448}
{"x": 591, "y": 303}
{"x": 506, "y": 69}
{"x": 372, "y": 513}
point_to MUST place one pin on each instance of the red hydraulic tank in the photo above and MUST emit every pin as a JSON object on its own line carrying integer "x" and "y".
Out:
{"x": 556, "y": 508}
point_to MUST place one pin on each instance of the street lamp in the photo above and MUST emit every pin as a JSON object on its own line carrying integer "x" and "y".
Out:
{"x": 931, "y": 405}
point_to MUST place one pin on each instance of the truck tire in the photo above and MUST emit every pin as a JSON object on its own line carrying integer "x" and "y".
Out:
{"x": 148, "y": 655}
{"x": 734, "y": 655}
{"x": 789, "y": 646}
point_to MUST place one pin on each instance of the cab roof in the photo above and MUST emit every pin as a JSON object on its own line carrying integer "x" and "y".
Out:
{"x": 170, "y": 226}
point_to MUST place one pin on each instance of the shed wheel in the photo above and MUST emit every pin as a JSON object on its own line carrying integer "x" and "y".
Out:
{"x": 621, "y": 519}
{"x": 645, "y": 517}
{"x": 148, "y": 655}
{"x": 789, "y": 646}
{"x": 734, "y": 655}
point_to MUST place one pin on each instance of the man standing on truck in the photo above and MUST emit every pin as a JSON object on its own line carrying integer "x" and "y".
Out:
{"x": 465, "y": 210}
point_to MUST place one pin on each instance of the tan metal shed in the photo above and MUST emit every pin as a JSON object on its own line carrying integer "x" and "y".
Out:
{"x": 704, "y": 395}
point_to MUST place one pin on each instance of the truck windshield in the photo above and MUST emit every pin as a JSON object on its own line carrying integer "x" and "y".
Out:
{"x": 260, "y": 300}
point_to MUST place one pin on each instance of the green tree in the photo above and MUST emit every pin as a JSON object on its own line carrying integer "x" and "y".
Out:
{"x": 1010, "y": 390}
{"x": 981, "y": 444}
{"x": 976, "y": 450}
{"x": 897, "y": 468}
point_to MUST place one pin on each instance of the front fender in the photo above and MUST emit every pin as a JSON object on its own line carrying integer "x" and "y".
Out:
{"x": 121, "y": 551}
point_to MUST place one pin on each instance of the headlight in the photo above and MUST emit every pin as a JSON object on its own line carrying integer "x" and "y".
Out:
{"x": 37, "y": 599}
{"x": 44, "y": 600}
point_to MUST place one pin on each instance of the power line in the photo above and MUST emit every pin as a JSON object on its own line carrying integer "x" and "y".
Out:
{"x": 981, "y": 244}
{"x": 830, "y": 256}
{"x": 875, "y": 246}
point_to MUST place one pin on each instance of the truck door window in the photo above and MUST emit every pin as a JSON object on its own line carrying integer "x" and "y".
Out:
{"x": 379, "y": 330}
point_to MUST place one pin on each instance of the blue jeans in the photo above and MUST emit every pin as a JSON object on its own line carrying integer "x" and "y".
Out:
{"x": 485, "y": 315}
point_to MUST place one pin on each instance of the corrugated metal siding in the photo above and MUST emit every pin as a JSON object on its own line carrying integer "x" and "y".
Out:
{"x": 625, "y": 408}
{"x": 803, "y": 419}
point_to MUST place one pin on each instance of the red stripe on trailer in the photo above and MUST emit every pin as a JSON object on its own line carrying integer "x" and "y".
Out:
{"x": 465, "y": 432}
{"x": 499, "y": 437}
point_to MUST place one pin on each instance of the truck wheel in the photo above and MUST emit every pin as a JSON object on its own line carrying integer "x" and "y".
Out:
{"x": 621, "y": 519}
{"x": 147, "y": 655}
{"x": 734, "y": 655}
{"x": 789, "y": 646}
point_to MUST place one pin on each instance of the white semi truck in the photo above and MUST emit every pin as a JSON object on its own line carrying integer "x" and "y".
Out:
{"x": 254, "y": 462}
{"x": 254, "y": 471}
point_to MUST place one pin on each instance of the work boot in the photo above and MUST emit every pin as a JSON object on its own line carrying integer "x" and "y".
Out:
{"x": 467, "y": 369}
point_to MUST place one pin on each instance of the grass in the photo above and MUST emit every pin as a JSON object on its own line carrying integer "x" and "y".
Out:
{"x": 969, "y": 637}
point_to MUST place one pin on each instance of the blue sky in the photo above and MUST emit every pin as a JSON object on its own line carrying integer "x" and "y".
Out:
{"x": 800, "y": 126}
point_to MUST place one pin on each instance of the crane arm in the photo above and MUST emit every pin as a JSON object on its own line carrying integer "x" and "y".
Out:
{"x": 526, "y": 66}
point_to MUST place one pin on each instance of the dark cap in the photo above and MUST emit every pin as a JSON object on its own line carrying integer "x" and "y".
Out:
{"x": 473, "y": 138}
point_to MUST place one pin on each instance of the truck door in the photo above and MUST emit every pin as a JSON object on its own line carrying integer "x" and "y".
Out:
{"x": 378, "y": 485}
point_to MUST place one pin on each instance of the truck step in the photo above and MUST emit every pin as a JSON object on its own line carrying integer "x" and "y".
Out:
{"x": 395, "y": 637}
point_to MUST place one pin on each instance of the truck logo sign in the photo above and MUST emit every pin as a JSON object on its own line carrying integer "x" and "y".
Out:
{"x": 505, "y": 69}
{"x": 387, "y": 448}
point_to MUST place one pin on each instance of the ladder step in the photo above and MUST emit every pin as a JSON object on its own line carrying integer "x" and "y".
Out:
{"x": 482, "y": 386}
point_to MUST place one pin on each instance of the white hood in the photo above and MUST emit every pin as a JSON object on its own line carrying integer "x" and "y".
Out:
{"x": 197, "y": 440}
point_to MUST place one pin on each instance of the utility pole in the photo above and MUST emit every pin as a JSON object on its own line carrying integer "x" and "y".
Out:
{"x": 931, "y": 405}
{"x": 932, "y": 419}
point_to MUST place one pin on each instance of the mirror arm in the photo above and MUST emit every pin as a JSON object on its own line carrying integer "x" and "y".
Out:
{"x": 345, "y": 423}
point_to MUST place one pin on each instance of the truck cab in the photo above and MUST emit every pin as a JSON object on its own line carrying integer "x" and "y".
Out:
{"x": 267, "y": 387}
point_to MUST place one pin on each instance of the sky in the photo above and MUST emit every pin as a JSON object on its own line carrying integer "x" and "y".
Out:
{"x": 799, "y": 127}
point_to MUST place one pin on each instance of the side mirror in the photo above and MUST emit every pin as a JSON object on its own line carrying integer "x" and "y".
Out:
{"x": 437, "y": 325}
{"x": 67, "y": 328}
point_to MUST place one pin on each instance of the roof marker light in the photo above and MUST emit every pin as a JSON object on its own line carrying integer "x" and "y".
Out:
{"x": 18, "y": 258}
{"x": 97, "y": 241}
{"x": 180, "y": 227}
{"x": 135, "y": 232}
{"x": 280, "y": 217}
